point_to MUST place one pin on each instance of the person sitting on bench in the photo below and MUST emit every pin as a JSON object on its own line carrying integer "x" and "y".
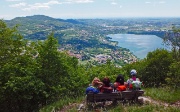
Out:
{"x": 134, "y": 82}
{"x": 95, "y": 86}
{"x": 107, "y": 86}
{"x": 119, "y": 83}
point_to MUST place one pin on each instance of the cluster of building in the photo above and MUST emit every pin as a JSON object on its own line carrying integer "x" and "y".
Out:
{"x": 127, "y": 57}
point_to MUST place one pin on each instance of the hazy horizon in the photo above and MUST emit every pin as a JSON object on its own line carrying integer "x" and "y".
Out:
{"x": 104, "y": 17}
{"x": 88, "y": 9}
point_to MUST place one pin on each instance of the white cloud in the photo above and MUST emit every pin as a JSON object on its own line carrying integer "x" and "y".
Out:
{"x": 113, "y": 3}
{"x": 46, "y": 5}
{"x": 80, "y": 1}
{"x": 52, "y": 2}
{"x": 19, "y": 5}
{"x": 14, "y": 0}
{"x": 35, "y": 6}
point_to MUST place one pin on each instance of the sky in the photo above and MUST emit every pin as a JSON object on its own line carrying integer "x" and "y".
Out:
{"x": 81, "y": 9}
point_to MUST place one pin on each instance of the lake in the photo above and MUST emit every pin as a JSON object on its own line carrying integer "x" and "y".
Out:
{"x": 139, "y": 45}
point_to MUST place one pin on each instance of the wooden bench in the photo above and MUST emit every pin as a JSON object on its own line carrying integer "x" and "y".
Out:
{"x": 114, "y": 96}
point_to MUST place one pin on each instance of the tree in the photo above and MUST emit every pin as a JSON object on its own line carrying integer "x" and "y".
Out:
{"x": 173, "y": 76}
{"x": 172, "y": 38}
{"x": 11, "y": 43}
{"x": 139, "y": 66}
{"x": 157, "y": 67}
{"x": 20, "y": 90}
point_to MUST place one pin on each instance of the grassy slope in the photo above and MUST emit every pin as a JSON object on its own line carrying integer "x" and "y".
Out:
{"x": 164, "y": 94}
{"x": 160, "y": 94}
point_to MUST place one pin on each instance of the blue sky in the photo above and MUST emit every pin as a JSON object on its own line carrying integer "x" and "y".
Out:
{"x": 74, "y": 9}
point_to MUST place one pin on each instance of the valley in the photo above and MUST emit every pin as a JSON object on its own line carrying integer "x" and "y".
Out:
{"x": 87, "y": 40}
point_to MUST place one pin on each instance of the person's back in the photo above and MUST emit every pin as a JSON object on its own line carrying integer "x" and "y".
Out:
{"x": 94, "y": 87}
{"x": 107, "y": 87}
{"x": 133, "y": 82}
{"x": 119, "y": 83}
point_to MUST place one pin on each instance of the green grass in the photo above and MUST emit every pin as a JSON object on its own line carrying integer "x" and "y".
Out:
{"x": 134, "y": 108}
{"x": 164, "y": 94}
{"x": 59, "y": 104}
{"x": 145, "y": 108}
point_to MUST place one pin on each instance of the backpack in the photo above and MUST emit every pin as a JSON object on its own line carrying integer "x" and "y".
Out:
{"x": 91, "y": 89}
{"x": 121, "y": 88}
{"x": 136, "y": 84}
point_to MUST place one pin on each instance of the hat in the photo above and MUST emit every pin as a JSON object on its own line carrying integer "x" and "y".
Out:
{"x": 133, "y": 72}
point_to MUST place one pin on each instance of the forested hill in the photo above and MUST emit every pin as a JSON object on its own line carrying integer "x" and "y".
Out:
{"x": 38, "y": 26}
{"x": 86, "y": 38}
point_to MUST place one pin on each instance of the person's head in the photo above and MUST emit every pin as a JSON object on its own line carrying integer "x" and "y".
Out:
{"x": 120, "y": 79}
{"x": 133, "y": 73}
{"x": 106, "y": 81}
{"x": 96, "y": 82}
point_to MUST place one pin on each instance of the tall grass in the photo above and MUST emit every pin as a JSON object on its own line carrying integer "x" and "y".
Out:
{"x": 164, "y": 94}
{"x": 61, "y": 103}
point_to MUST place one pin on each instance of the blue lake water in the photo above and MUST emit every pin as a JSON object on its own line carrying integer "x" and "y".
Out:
{"x": 139, "y": 45}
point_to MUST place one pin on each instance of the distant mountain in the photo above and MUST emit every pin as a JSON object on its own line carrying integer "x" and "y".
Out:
{"x": 41, "y": 19}
{"x": 30, "y": 19}
{"x": 73, "y": 21}
{"x": 39, "y": 26}
{"x": 33, "y": 18}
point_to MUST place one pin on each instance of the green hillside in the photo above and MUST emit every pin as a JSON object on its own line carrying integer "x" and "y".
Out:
{"x": 80, "y": 38}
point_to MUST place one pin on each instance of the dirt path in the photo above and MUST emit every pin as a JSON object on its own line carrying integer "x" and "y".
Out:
{"x": 146, "y": 99}
{"x": 68, "y": 107}
{"x": 143, "y": 99}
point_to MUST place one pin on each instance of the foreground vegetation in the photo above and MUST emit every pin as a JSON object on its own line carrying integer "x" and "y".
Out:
{"x": 36, "y": 74}
{"x": 137, "y": 108}
{"x": 162, "y": 95}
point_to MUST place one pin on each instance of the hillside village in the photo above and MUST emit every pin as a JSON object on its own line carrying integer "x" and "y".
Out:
{"x": 102, "y": 58}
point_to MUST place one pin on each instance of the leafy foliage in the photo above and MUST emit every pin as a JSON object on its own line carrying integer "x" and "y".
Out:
{"x": 157, "y": 69}
{"x": 19, "y": 86}
{"x": 34, "y": 74}
{"x": 173, "y": 76}
{"x": 172, "y": 38}
{"x": 158, "y": 63}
